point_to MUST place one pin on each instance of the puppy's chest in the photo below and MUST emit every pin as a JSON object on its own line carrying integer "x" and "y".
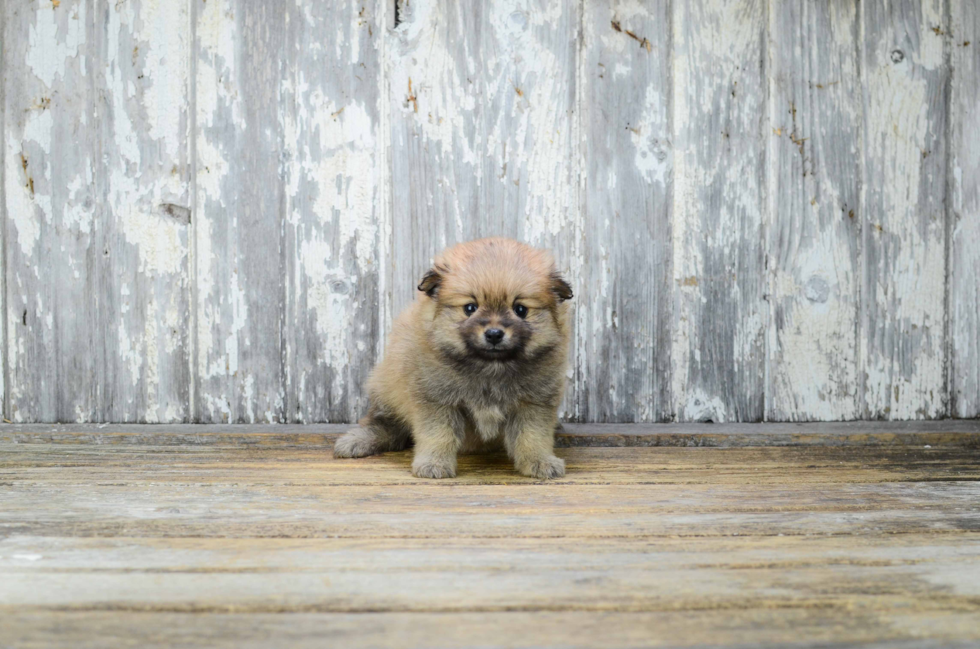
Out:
{"x": 489, "y": 421}
{"x": 489, "y": 410}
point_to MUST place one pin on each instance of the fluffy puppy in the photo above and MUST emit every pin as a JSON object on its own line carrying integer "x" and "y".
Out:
{"x": 478, "y": 358}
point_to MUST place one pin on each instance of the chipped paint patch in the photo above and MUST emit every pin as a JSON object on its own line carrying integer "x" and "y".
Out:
{"x": 55, "y": 38}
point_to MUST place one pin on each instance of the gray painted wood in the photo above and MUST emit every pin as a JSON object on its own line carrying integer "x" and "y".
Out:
{"x": 336, "y": 217}
{"x": 51, "y": 139}
{"x": 96, "y": 197}
{"x": 964, "y": 210}
{"x": 624, "y": 311}
{"x": 144, "y": 280}
{"x": 222, "y": 204}
{"x": 719, "y": 108}
{"x": 239, "y": 249}
{"x": 904, "y": 80}
{"x": 437, "y": 98}
{"x": 814, "y": 229}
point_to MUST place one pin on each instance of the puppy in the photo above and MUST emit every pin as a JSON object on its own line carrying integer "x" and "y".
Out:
{"x": 478, "y": 358}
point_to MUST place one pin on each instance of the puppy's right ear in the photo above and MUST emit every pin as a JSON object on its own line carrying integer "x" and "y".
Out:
{"x": 560, "y": 287}
{"x": 431, "y": 281}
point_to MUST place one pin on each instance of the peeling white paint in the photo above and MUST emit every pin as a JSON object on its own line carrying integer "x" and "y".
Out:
{"x": 20, "y": 206}
{"x": 652, "y": 157}
{"x": 55, "y": 38}
{"x": 496, "y": 122}
{"x": 700, "y": 406}
{"x": 717, "y": 205}
{"x": 162, "y": 28}
{"x": 902, "y": 342}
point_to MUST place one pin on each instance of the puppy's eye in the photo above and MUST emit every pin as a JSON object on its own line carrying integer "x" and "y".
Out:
{"x": 520, "y": 310}
{"x": 470, "y": 308}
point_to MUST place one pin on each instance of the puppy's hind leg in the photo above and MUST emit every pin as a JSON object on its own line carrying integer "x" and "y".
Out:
{"x": 376, "y": 433}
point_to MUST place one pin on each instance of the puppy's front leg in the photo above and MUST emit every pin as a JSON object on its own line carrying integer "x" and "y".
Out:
{"x": 530, "y": 442}
{"x": 439, "y": 432}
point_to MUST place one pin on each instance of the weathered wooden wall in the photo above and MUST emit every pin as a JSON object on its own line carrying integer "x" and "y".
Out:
{"x": 212, "y": 209}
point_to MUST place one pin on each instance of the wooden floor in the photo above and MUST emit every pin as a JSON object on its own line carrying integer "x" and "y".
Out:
{"x": 143, "y": 537}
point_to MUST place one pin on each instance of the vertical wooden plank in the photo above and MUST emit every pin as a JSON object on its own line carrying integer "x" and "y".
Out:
{"x": 436, "y": 92}
{"x": 96, "y": 196}
{"x": 903, "y": 294}
{"x": 482, "y": 141}
{"x": 964, "y": 207}
{"x": 336, "y": 212}
{"x": 529, "y": 185}
{"x": 483, "y": 131}
{"x": 719, "y": 113}
{"x": 240, "y": 197}
{"x": 625, "y": 312}
{"x": 814, "y": 237}
{"x": 143, "y": 283}
{"x": 53, "y": 211}
{"x": 4, "y": 368}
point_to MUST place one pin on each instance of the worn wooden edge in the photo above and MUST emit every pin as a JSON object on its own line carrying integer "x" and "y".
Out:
{"x": 801, "y": 628}
{"x": 948, "y": 433}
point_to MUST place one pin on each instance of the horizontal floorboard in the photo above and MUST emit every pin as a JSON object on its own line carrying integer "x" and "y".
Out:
{"x": 767, "y": 627}
{"x": 953, "y": 432}
{"x": 238, "y": 541}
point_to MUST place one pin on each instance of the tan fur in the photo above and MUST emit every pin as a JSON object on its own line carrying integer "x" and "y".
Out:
{"x": 444, "y": 385}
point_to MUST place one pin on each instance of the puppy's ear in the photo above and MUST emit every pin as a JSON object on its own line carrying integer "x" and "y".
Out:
{"x": 560, "y": 287}
{"x": 431, "y": 281}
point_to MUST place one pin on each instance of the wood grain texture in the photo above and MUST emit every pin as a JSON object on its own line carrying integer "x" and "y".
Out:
{"x": 436, "y": 92}
{"x": 815, "y": 221}
{"x": 935, "y": 434}
{"x": 197, "y": 545}
{"x": 336, "y": 216}
{"x": 145, "y": 290}
{"x": 239, "y": 250}
{"x": 902, "y": 339}
{"x": 97, "y": 201}
{"x": 719, "y": 108}
{"x": 624, "y": 316}
{"x": 268, "y": 576}
{"x": 482, "y": 123}
{"x": 806, "y": 629}
{"x": 964, "y": 210}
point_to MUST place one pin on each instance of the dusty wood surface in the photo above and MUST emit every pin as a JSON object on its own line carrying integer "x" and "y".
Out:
{"x": 965, "y": 433}
{"x": 233, "y": 544}
{"x": 211, "y": 210}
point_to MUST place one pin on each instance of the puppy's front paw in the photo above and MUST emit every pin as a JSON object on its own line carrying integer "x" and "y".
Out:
{"x": 357, "y": 442}
{"x": 545, "y": 468}
{"x": 430, "y": 468}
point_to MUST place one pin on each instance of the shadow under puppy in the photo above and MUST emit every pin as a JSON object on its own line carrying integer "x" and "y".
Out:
{"x": 477, "y": 359}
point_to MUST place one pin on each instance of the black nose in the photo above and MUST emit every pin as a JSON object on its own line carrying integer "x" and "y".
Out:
{"x": 493, "y": 336}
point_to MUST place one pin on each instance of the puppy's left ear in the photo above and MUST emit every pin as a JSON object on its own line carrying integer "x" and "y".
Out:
{"x": 431, "y": 281}
{"x": 560, "y": 287}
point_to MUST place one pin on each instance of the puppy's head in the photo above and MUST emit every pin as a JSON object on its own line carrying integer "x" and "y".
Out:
{"x": 495, "y": 301}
